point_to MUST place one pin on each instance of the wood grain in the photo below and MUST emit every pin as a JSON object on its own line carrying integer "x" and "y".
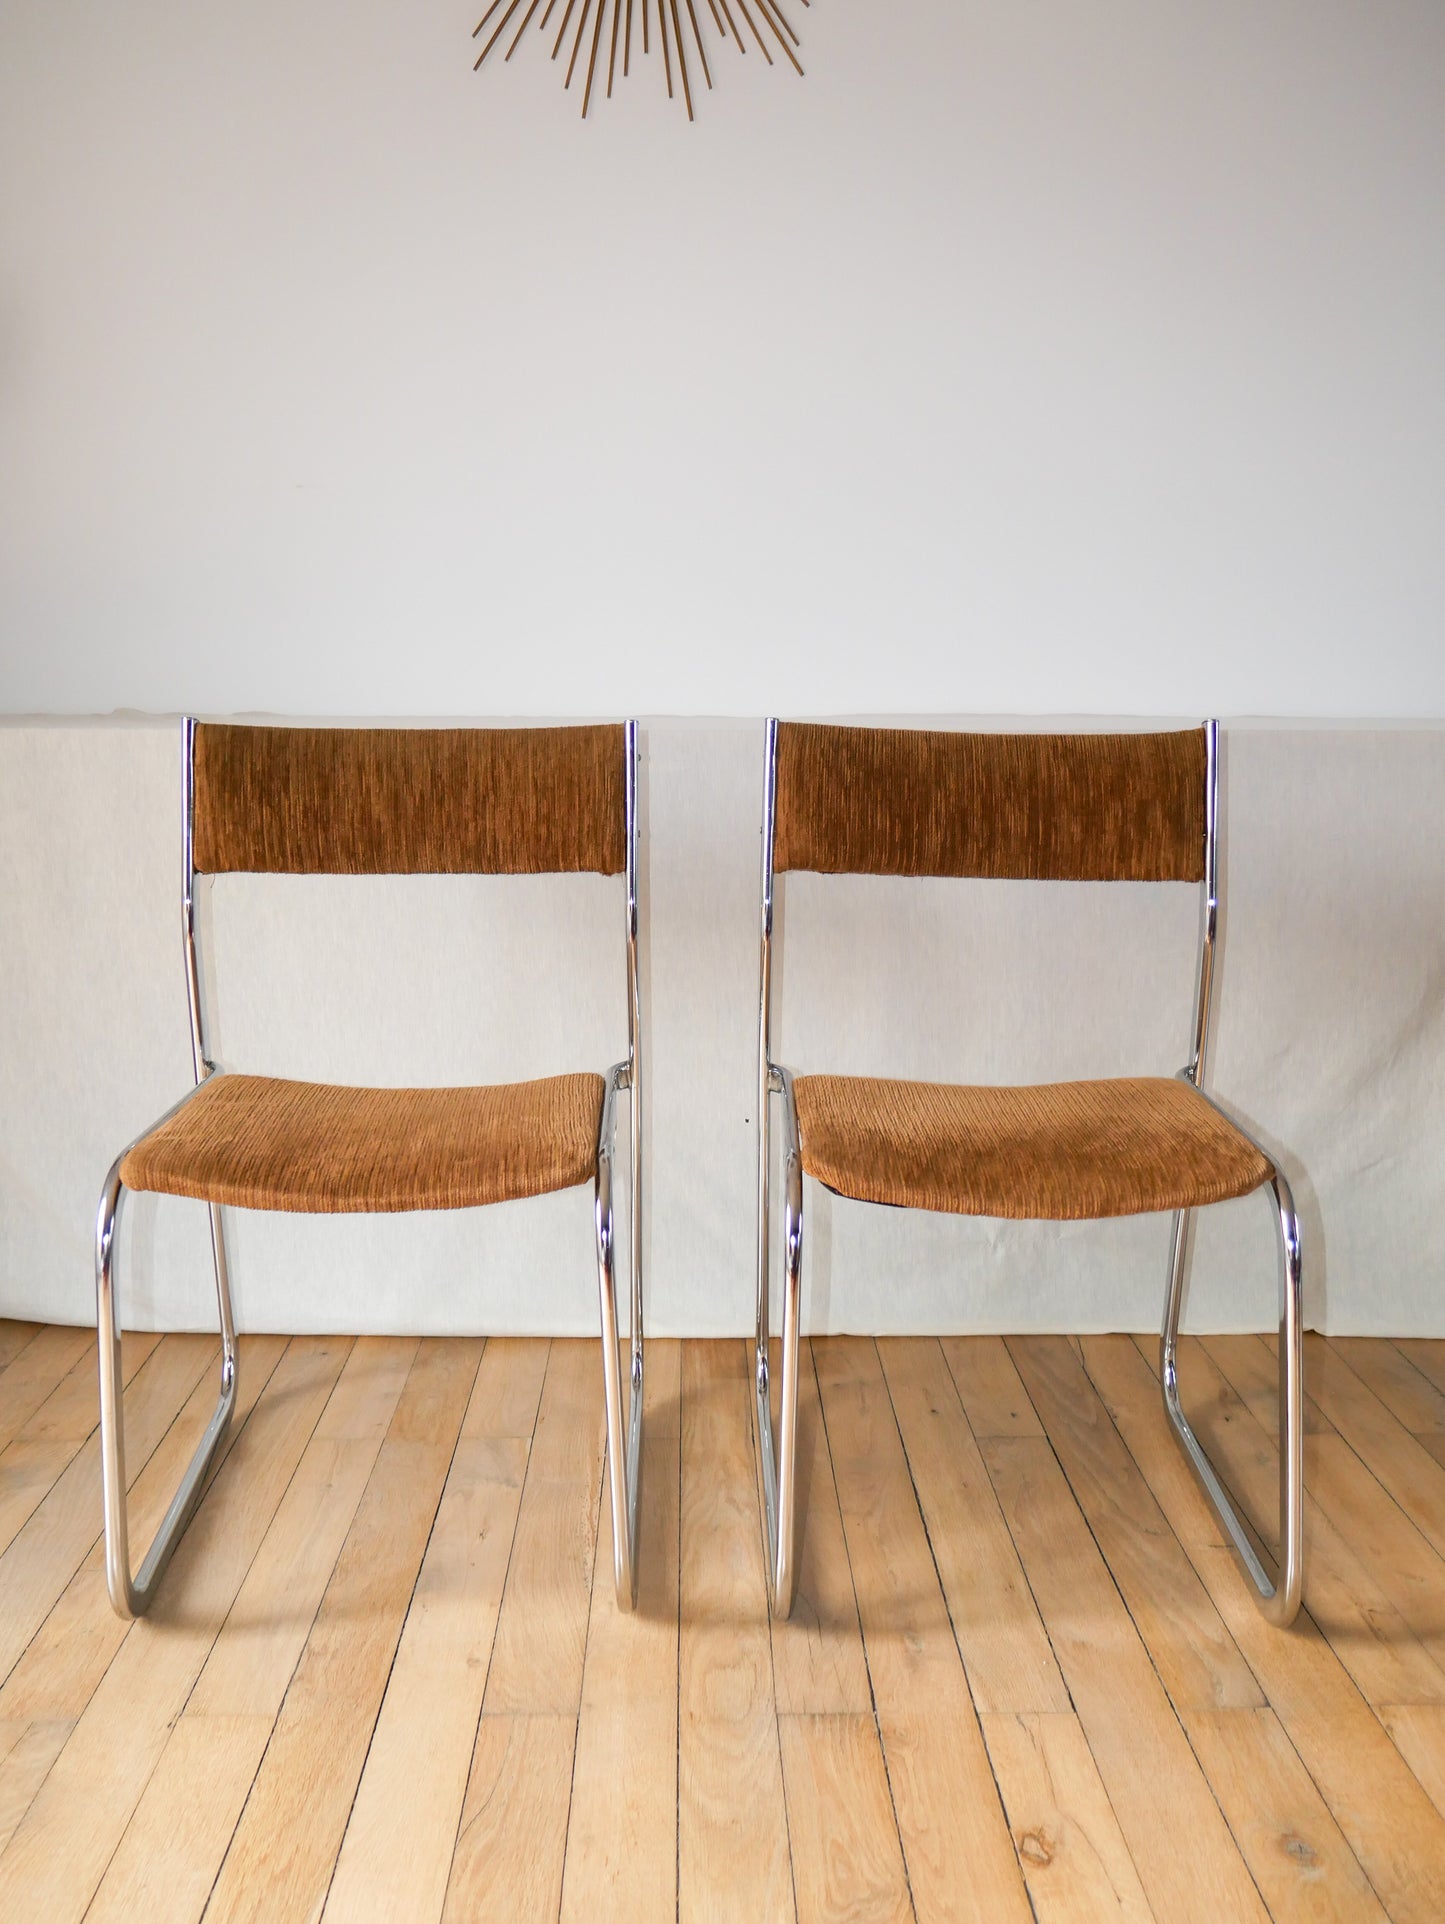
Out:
{"x": 731, "y": 1830}
{"x": 276, "y": 1867}
{"x": 386, "y": 1677}
{"x": 1075, "y": 1861}
{"x": 944, "y": 1794}
{"x": 52, "y": 1866}
{"x": 1149, "y": 1771}
{"x": 1385, "y": 1817}
{"x": 1005, "y": 1650}
{"x": 173, "y": 1846}
{"x": 847, "y": 1864}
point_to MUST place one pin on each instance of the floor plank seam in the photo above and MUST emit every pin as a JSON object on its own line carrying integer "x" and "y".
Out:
{"x": 216, "y": 1467}
{"x": 600, "y": 1488}
{"x": 501, "y": 1598}
{"x": 1264, "y": 1693}
{"x": 754, "y": 1443}
{"x": 863, "y": 1640}
{"x": 1373, "y": 1708}
{"x": 260, "y": 1543}
{"x": 402, "y": 1622}
{"x": 947, "y": 1607}
{"x": 1138, "y": 1632}
{"x": 89, "y": 1551}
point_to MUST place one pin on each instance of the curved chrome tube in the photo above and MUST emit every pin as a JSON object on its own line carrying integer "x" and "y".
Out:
{"x": 777, "y": 1463}
{"x": 624, "y": 1457}
{"x": 779, "y": 1468}
{"x": 131, "y": 1596}
{"x": 1280, "y": 1600}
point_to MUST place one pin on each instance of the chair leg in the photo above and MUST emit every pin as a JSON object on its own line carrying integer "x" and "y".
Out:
{"x": 779, "y": 1468}
{"x": 1280, "y": 1600}
{"x": 624, "y": 1446}
{"x": 131, "y": 1596}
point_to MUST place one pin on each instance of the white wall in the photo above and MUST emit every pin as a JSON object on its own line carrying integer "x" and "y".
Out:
{"x": 1330, "y": 1038}
{"x": 1022, "y": 357}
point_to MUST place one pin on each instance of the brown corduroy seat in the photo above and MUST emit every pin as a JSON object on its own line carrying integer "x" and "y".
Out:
{"x": 1060, "y": 1151}
{"x": 258, "y": 1142}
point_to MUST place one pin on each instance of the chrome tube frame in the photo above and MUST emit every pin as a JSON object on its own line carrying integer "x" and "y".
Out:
{"x": 624, "y": 1447}
{"x": 777, "y": 1459}
{"x": 131, "y": 1595}
{"x": 1280, "y": 1600}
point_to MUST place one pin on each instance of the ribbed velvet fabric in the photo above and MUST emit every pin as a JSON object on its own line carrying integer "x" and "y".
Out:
{"x": 1061, "y": 1151}
{"x": 910, "y": 801}
{"x": 409, "y": 801}
{"x": 261, "y": 1143}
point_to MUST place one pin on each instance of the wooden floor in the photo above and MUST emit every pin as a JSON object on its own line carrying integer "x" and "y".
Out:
{"x": 386, "y": 1678}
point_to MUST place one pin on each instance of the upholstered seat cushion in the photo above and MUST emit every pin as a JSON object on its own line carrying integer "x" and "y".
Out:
{"x": 1063, "y": 1150}
{"x": 262, "y": 1143}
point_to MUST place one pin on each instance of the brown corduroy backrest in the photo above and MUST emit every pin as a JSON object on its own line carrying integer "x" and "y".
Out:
{"x": 906, "y": 801}
{"x": 408, "y": 801}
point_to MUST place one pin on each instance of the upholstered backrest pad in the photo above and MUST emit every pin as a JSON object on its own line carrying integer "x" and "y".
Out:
{"x": 906, "y": 801}
{"x": 408, "y": 801}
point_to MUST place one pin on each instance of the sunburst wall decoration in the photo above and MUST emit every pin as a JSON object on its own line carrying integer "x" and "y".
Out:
{"x": 775, "y": 28}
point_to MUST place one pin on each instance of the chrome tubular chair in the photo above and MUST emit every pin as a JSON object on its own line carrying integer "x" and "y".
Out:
{"x": 1141, "y": 807}
{"x": 371, "y": 802}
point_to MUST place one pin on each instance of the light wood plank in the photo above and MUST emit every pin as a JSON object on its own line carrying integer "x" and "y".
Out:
{"x": 847, "y": 1862}
{"x": 397, "y": 1851}
{"x": 1075, "y": 1861}
{"x": 509, "y": 1849}
{"x": 1154, "y": 1783}
{"x": 1303, "y": 1866}
{"x": 1427, "y": 1354}
{"x": 1347, "y": 1591}
{"x": 818, "y": 1662}
{"x": 1387, "y": 1820}
{"x": 542, "y": 1631}
{"x": 72, "y": 1410}
{"x": 622, "y": 1833}
{"x": 1418, "y": 1731}
{"x": 53, "y": 1543}
{"x": 732, "y": 1833}
{"x": 166, "y": 1864}
{"x": 944, "y": 1793}
{"x": 14, "y": 1337}
{"x": 172, "y": 1849}
{"x": 33, "y": 1462}
{"x": 24, "y": 1768}
{"x": 508, "y": 1388}
{"x": 520, "y": 1781}
{"x": 1197, "y": 1659}
{"x": 52, "y": 1864}
{"x": 68, "y": 1655}
{"x": 1404, "y": 1390}
{"x": 37, "y": 1373}
{"x": 28, "y": 1473}
{"x": 276, "y": 1867}
{"x": 1006, "y": 1652}
{"x": 989, "y": 1387}
{"x": 1378, "y": 1438}
{"x": 1252, "y": 1369}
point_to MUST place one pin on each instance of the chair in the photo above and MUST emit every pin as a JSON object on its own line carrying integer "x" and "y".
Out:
{"x": 1139, "y": 807}
{"x": 370, "y": 802}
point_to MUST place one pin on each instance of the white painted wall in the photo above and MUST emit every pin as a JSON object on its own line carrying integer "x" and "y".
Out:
{"x": 1331, "y": 1035}
{"x": 1024, "y": 357}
